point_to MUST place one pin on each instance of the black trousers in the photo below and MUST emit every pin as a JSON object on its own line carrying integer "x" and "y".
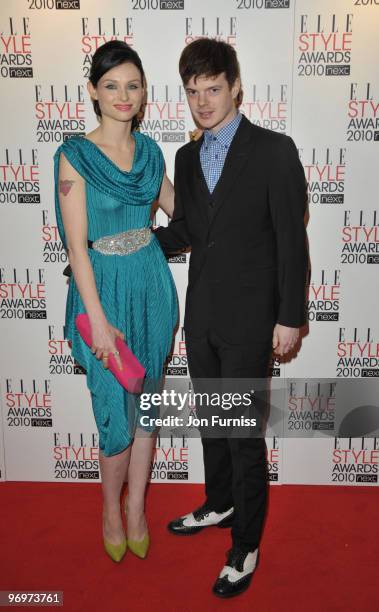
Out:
{"x": 235, "y": 467}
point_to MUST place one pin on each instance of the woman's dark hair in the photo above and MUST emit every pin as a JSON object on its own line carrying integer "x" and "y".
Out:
{"x": 114, "y": 53}
{"x": 209, "y": 58}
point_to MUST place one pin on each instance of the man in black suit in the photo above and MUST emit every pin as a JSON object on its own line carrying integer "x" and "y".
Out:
{"x": 240, "y": 198}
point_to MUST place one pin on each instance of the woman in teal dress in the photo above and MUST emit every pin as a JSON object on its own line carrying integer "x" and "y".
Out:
{"x": 106, "y": 183}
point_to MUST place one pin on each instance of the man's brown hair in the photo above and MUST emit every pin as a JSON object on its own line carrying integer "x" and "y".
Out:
{"x": 208, "y": 58}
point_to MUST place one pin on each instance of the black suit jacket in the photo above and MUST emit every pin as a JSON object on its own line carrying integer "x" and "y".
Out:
{"x": 248, "y": 246}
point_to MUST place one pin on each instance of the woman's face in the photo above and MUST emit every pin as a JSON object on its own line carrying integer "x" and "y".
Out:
{"x": 119, "y": 92}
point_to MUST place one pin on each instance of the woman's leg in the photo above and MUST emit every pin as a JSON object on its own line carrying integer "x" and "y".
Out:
{"x": 138, "y": 474}
{"x": 113, "y": 470}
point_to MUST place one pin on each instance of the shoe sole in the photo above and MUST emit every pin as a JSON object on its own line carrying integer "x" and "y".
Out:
{"x": 225, "y": 523}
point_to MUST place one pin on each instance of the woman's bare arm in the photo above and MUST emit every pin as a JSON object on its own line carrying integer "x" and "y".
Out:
{"x": 72, "y": 198}
{"x": 166, "y": 196}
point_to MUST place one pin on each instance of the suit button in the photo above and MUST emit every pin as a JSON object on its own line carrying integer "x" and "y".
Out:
{"x": 211, "y": 244}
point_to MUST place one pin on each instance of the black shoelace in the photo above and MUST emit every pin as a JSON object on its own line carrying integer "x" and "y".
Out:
{"x": 201, "y": 513}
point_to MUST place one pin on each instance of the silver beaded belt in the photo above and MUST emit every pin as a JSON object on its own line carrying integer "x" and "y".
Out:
{"x": 124, "y": 243}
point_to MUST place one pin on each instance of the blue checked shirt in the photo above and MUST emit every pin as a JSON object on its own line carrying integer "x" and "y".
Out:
{"x": 214, "y": 150}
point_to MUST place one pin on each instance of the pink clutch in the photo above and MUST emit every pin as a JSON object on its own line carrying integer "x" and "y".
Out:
{"x": 132, "y": 374}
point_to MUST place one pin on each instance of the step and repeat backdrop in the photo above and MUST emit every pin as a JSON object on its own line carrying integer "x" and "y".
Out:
{"x": 309, "y": 69}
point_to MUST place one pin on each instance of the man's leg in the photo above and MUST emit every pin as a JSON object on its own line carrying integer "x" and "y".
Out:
{"x": 249, "y": 467}
{"x": 248, "y": 454}
{"x": 204, "y": 363}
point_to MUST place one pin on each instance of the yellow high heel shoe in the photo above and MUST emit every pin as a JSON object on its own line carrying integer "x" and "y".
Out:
{"x": 138, "y": 547}
{"x": 116, "y": 551}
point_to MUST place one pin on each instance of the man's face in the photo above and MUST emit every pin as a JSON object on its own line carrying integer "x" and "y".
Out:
{"x": 211, "y": 101}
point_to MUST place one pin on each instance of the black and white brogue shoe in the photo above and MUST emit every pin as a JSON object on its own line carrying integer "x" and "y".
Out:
{"x": 198, "y": 519}
{"x": 236, "y": 575}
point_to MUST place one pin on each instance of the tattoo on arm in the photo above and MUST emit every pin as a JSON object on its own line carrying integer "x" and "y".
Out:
{"x": 65, "y": 186}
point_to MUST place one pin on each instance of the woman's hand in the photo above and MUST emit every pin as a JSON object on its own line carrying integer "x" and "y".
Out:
{"x": 104, "y": 342}
{"x": 196, "y": 134}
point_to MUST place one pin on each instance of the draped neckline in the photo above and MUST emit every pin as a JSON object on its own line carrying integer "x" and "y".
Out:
{"x": 136, "y": 187}
{"x": 110, "y": 161}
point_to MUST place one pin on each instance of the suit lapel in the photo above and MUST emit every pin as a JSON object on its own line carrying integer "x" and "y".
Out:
{"x": 235, "y": 162}
{"x": 202, "y": 194}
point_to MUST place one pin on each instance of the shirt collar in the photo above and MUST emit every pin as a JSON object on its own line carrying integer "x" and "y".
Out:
{"x": 226, "y": 134}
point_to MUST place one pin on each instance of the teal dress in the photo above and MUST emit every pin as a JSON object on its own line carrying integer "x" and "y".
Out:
{"x": 137, "y": 291}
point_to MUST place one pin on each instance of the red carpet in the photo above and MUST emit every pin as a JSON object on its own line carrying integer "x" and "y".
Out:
{"x": 319, "y": 552}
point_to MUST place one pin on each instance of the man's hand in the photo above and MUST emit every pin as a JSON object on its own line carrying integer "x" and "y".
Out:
{"x": 284, "y": 339}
